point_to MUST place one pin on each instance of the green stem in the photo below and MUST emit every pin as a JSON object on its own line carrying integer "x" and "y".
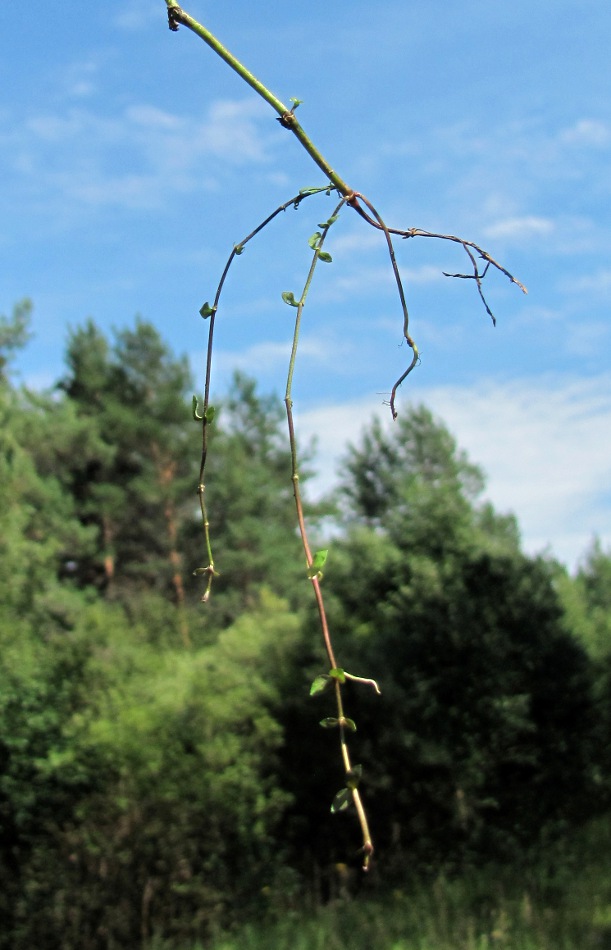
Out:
{"x": 286, "y": 116}
{"x": 201, "y": 488}
{"x": 367, "y": 847}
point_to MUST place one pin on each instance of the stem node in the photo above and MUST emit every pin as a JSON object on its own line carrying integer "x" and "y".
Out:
{"x": 174, "y": 17}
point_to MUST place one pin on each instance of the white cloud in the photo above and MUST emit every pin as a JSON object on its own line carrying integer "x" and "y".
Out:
{"x": 521, "y": 228}
{"x": 368, "y": 279}
{"x": 138, "y": 14}
{"x": 259, "y": 358}
{"x": 266, "y": 357}
{"x": 588, "y": 132}
{"x": 596, "y": 283}
{"x": 543, "y": 444}
{"x": 363, "y": 240}
{"x": 134, "y": 158}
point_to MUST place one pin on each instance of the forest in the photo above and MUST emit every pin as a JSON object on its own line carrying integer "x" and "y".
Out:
{"x": 164, "y": 780}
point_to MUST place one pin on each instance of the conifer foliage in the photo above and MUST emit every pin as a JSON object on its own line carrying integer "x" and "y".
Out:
{"x": 162, "y": 772}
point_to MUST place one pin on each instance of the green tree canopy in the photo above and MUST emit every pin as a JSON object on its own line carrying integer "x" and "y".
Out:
{"x": 14, "y": 334}
{"x": 483, "y": 738}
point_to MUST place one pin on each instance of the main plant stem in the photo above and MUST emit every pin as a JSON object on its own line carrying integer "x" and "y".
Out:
{"x": 367, "y": 847}
{"x": 286, "y": 116}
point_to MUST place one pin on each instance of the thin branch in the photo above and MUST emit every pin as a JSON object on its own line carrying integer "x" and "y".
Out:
{"x": 210, "y": 312}
{"x": 367, "y": 847}
{"x": 286, "y": 117}
{"x": 420, "y": 232}
{"x": 406, "y": 335}
{"x": 205, "y": 417}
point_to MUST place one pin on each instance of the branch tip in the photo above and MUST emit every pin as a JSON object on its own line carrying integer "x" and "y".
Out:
{"x": 175, "y": 15}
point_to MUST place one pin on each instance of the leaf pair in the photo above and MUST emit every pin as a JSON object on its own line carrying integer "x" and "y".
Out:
{"x": 321, "y": 682}
{"x": 330, "y": 722}
{"x": 314, "y": 243}
{"x": 208, "y": 413}
{"x": 344, "y": 797}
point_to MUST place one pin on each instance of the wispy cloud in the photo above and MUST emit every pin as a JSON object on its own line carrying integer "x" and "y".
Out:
{"x": 587, "y": 132}
{"x": 521, "y": 228}
{"x": 133, "y": 158}
{"x": 543, "y": 444}
{"x": 503, "y": 181}
{"x": 138, "y": 14}
{"x": 597, "y": 283}
{"x": 351, "y": 281}
{"x": 267, "y": 357}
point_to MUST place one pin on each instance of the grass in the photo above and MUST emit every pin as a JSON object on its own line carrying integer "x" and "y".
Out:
{"x": 441, "y": 920}
{"x": 564, "y": 905}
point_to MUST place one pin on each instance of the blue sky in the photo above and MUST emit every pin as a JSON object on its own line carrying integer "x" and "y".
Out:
{"x": 132, "y": 160}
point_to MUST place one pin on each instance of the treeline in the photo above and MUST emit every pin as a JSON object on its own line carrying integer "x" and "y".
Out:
{"x": 162, "y": 771}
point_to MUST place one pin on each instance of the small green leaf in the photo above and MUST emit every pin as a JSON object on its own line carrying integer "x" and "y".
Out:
{"x": 329, "y": 221}
{"x": 296, "y": 102}
{"x": 200, "y": 570}
{"x": 341, "y": 801}
{"x": 329, "y": 723}
{"x": 318, "y": 562}
{"x": 325, "y": 257}
{"x": 313, "y": 241}
{"x": 349, "y": 724}
{"x": 338, "y": 674}
{"x": 210, "y": 413}
{"x": 206, "y": 310}
{"x": 239, "y": 249}
{"x": 319, "y": 684}
{"x": 289, "y": 297}
{"x": 353, "y": 777}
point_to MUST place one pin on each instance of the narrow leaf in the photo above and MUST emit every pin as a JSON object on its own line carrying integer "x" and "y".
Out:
{"x": 349, "y": 724}
{"x": 313, "y": 241}
{"x": 325, "y": 257}
{"x": 365, "y": 680}
{"x": 289, "y": 297}
{"x": 341, "y": 801}
{"x": 315, "y": 191}
{"x": 200, "y": 570}
{"x": 319, "y": 684}
{"x": 196, "y": 414}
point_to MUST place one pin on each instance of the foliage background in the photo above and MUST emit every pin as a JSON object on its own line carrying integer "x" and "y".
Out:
{"x": 162, "y": 771}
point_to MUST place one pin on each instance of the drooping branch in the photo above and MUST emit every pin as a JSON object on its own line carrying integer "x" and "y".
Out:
{"x": 341, "y": 721}
{"x": 406, "y": 334}
{"x": 365, "y": 209}
{"x": 356, "y": 200}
